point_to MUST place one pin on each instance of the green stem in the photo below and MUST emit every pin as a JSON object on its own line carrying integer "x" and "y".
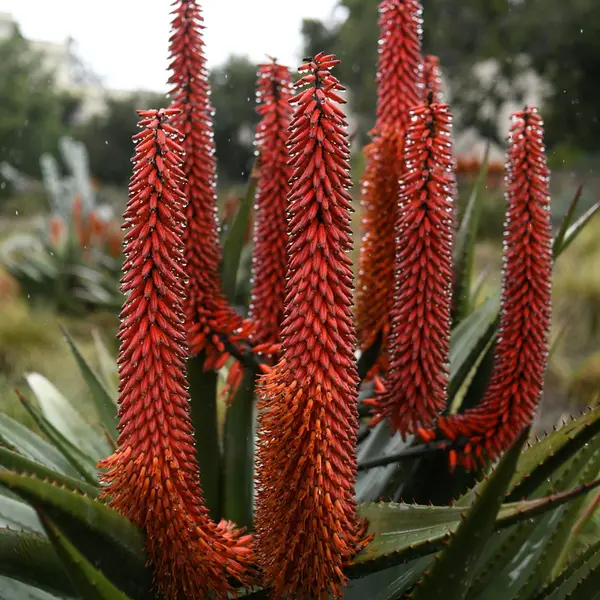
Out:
{"x": 203, "y": 401}
{"x": 239, "y": 453}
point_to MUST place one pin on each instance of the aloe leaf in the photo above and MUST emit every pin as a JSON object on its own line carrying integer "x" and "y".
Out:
{"x": 589, "y": 587}
{"x": 541, "y": 460}
{"x": 464, "y": 245}
{"x": 389, "y": 584}
{"x": 552, "y": 552}
{"x": 30, "y": 558}
{"x": 84, "y": 465}
{"x": 566, "y": 222}
{"x": 59, "y": 412}
{"x": 469, "y": 339}
{"x": 17, "y": 515}
{"x": 466, "y": 544}
{"x": 234, "y": 243}
{"x": 32, "y": 446}
{"x": 20, "y": 464}
{"x": 511, "y": 558}
{"x": 87, "y": 580}
{"x": 105, "y": 404}
{"x": 574, "y": 230}
{"x": 11, "y": 589}
{"x": 106, "y": 538}
{"x": 567, "y": 581}
{"x": 238, "y": 442}
{"x": 203, "y": 403}
{"x": 370, "y": 484}
{"x": 108, "y": 366}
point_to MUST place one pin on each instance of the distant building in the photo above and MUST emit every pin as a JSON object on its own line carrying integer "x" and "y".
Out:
{"x": 69, "y": 72}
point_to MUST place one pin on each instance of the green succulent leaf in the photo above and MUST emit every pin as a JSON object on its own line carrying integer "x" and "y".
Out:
{"x": 566, "y": 222}
{"x": 104, "y": 402}
{"x": 29, "y": 558}
{"x": 89, "y": 582}
{"x": 451, "y": 574}
{"x": 61, "y": 415}
{"x": 469, "y": 339}
{"x": 10, "y": 589}
{"x": 464, "y": 245}
{"x": 575, "y": 229}
{"x": 84, "y": 465}
{"x": 20, "y": 464}
{"x": 529, "y": 550}
{"x": 564, "y": 585}
{"x": 23, "y": 441}
{"x": 234, "y": 243}
{"x": 107, "y": 539}
{"x": 238, "y": 443}
{"x": 203, "y": 404}
{"x": 108, "y": 366}
{"x": 17, "y": 515}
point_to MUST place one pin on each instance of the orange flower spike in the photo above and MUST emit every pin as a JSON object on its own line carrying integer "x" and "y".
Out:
{"x": 207, "y": 310}
{"x": 521, "y": 352}
{"x": 432, "y": 79}
{"x": 417, "y": 380}
{"x": 307, "y": 528}
{"x": 274, "y": 90}
{"x": 399, "y": 89}
{"x": 191, "y": 555}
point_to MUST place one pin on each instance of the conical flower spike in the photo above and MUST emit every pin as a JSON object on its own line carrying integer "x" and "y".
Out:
{"x": 307, "y": 528}
{"x": 153, "y": 477}
{"x": 274, "y": 90}
{"x": 521, "y": 352}
{"x": 207, "y": 310}
{"x": 399, "y": 89}
{"x": 417, "y": 381}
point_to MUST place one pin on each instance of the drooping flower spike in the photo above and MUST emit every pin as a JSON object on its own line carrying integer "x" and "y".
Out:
{"x": 274, "y": 90}
{"x": 207, "y": 310}
{"x": 399, "y": 89}
{"x": 307, "y": 528}
{"x": 415, "y": 389}
{"x": 153, "y": 477}
{"x": 521, "y": 351}
{"x": 432, "y": 79}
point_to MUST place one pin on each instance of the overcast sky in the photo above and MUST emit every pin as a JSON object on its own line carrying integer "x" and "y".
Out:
{"x": 125, "y": 41}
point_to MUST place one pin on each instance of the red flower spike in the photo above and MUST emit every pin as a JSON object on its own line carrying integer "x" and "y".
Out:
{"x": 274, "y": 90}
{"x": 432, "y": 79}
{"x": 521, "y": 351}
{"x": 153, "y": 477}
{"x": 207, "y": 311}
{"x": 307, "y": 528}
{"x": 417, "y": 379}
{"x": 399, "y": 73}
{"x": 399, "y": 89}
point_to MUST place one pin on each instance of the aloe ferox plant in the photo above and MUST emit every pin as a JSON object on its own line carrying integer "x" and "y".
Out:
{"x": 270, "y": 451}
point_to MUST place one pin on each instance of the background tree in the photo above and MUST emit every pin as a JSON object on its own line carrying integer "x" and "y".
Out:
{"x": 108, "y": 136}
{"x": 233, "y": 98}
{"x": 34, "y": 112}
{"x": 559, "y": 40}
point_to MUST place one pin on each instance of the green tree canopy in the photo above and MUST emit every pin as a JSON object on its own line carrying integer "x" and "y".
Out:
{"x": 33, "y": 112}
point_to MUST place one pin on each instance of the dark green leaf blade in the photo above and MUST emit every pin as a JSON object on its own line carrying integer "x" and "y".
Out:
{"x": 102, "y": 535}
{"x": 105, "y": 403}
{"x": 30, "y": 558}
{"x": 450, "y": 576}
{"x": 86, "y": 579}
{"x": 234, "y": 243}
